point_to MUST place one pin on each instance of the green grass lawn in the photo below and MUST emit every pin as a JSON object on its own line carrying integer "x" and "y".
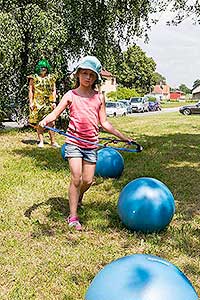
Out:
{"x": 41, "y": 259}
{"x": 169, "y": 104}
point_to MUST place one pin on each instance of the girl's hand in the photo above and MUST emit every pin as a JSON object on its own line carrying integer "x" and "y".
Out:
{"x": 53, "y": 105}
{"x": 31, "y": 106}
{"x": 42, "y": 123}
{"x": 129, "y": 141}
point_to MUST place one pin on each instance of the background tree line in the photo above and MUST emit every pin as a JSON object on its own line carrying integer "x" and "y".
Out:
{"x": 63, "y": 30}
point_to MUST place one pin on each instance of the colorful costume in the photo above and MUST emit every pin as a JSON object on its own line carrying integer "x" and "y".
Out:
{"x": 43, "y": 88}
{"x": 43, "y": 97}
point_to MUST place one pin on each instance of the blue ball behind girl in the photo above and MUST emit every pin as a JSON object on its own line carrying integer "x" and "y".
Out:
{"x": 110, "y": 163}
{"x": 63, "y": 151}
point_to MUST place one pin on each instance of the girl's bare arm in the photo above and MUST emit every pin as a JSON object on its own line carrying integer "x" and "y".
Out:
{"x": 107, "y": 125}
{"x": 64, "y": 103}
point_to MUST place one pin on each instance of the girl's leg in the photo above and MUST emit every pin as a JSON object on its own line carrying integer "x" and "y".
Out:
{"x": 40, "y": 137}
{"x": 87, "y": 178}
{"x": 75, "y": 164}
{"x": 52, "y": 135}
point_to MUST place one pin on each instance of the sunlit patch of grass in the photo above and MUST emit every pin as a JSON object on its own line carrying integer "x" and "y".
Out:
{"x": 42, "y": 259}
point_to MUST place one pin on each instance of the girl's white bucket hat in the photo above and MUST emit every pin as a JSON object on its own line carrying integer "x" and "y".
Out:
{"x": 90, "y": 63}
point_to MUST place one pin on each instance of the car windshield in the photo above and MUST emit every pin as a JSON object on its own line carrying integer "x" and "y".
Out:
{"x": 124, "y": 102}
{"x": 136, "y": 100}
{"x": 110, "y": 104}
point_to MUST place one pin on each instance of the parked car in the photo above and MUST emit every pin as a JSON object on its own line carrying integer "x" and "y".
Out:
{"x": 127, "y": 104}
{"x": 115, "y": 109}
{"x": 139, "y": 104}
{"x": 190, "y": 109}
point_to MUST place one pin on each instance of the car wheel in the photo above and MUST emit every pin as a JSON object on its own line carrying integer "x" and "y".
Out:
{"x": 187, "y": 112}
{"x": 114, "y": 115}
{"x": 124, "y": 114}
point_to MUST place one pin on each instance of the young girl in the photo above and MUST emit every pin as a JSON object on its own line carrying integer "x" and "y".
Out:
{"x": 87, "y": 110}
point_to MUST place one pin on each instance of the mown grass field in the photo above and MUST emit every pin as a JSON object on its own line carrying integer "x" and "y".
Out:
{"x": 170, "y": 104}
{"x": 41, "y": 259}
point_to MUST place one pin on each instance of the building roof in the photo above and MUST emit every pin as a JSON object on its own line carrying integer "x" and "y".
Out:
{"x": 178, "y": 92}
{"x": 196, "y": 89}
{"x": 161, "y": 89}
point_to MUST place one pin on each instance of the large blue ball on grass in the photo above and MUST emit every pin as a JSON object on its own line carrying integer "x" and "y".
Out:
{"x": 141, "y": 277}
{"x": 146, "y": 204}
{"x": 63, "y": 151}
{"x": 110, "y": 163}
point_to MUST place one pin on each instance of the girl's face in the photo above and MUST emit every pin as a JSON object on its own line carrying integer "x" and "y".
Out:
{"x": 87, "y": 77}
{"x": 43, "y": 72}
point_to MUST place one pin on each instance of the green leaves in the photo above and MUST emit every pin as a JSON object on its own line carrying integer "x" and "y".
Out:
{"x": 184, "y": 89}
{"x": 63, "y": 30}
{"x": 136, "y": 70}
{"x": 122, "y": 93}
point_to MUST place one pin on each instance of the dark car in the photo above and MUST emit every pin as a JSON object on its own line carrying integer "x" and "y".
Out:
{"x": 190, "y": 109}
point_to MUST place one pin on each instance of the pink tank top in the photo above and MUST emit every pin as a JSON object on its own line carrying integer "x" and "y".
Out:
{"x": 84, "y": 119}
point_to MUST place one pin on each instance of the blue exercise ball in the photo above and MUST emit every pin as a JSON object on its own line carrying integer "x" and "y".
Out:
{"x": 63, "y": 151}
{"x": 110, "y": 163}
{"x": 146, "y": 204}
{"x": 140, "y": 277}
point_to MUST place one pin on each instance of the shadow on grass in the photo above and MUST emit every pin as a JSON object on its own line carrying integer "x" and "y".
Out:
{"x": 184, "y": 237}
{"x": 32, "y": 142}
{"x": 172, "y": 159}
{"x": 59, "y": 210}
{"x": 11, "y": 129}
{"x": 58, "y": 205}
{"x": 47, "y": 158}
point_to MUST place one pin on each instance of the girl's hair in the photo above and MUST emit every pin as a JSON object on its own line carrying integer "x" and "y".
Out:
{"x": 77, "y": 82}
{"x": 43, "y": 63}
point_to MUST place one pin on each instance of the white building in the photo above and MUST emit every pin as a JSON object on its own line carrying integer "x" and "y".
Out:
{"x": 109, "y": 82}
{"x": 196, "y": 92}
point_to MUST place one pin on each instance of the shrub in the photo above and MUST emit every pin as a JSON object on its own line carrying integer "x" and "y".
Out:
{"x": 122, "y": 93}
{"x": 152, "y": 99}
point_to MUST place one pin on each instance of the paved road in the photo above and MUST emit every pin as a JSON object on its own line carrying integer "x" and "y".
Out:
{"x": 163, "y": 111}
{"x": 9, "y": 125}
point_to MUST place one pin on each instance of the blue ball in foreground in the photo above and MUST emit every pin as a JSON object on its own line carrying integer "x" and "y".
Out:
{"x": 141, "y": 277}
{"x": 110, "y": 163}
{"x": 63, "y": 151}
{"x": 146, "y": 204}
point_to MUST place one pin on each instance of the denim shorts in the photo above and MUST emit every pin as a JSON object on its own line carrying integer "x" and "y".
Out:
{"x": 89, "y": 155}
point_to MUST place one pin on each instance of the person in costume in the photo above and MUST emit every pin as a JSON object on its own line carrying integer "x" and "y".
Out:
{"x": 42, "y": 98}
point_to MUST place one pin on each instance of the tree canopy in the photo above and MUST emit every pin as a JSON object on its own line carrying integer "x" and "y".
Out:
{"x": 136, "y": 70}
{"x": 158, "y": 78}
{"x": 184, "y": 89}
{"x": 63, "y": 30}
{"x": 122, "y": 93}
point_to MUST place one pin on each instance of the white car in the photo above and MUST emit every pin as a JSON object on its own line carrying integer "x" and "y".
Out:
{"x": 139, "y": 104}
{"x": 115, "y": 109}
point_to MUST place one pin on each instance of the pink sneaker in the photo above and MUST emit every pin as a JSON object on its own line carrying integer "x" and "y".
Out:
{"x": 74, "y": 222}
